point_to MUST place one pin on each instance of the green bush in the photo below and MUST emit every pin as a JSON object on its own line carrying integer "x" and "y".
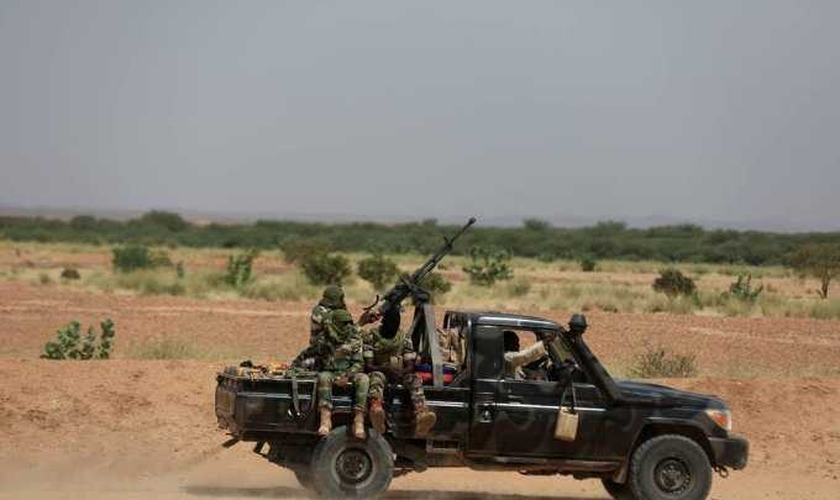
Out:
{"x": 588, "y": 264}
{"x": 70, "y": 273}
{"x": 326, "y": 269}
{"x": 240, "y": 268}
{"x": 821, "y": 261}
{"x": 488, "y": 266}
{"x": 742, "y": 289}
{"x": 133, "y": 257}
{"x": 170, "y": 221}
{"x": 71, "y": 345}
{"x": 672, "y": 283}
{"x": 657, "y": 363}
{"x": 379, "y": 271}
{"x": 295, "y": 250}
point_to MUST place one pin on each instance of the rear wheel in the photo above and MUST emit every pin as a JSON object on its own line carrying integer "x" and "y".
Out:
{"x": 345, "y": 467}
{"x": 670, "y": 467}
{"x": 618, "y": 491}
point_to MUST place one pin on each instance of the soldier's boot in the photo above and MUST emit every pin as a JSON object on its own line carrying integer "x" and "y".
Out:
{"x": 424, "y": 419}
{"x": 359, "y": 424}
{"x": 326, "y": 421}
{"x": 377, "y": 415}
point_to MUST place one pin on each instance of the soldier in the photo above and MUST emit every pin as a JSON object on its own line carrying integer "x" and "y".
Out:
{"x": 515, "y": 358}
{"x": 332, "y": 299}
{"x": 342, "y": 363}
{"x": 389, "y": 358}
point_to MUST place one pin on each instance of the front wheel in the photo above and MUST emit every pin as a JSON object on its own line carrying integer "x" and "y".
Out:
{"x": 345, "y": 467}
{"x": 670, "y": 467}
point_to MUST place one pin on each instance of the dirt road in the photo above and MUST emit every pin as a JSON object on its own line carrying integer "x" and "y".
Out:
{"x": 132, "y": 429}
{"x": 127, "y": 428}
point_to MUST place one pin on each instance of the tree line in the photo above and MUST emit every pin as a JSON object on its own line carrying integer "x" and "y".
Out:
{"x": 535, "y": 238}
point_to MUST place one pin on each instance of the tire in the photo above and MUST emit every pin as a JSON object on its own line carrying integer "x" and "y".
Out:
{"x": 617, "y": 490}
{"x": 304, "y": 477}
{"x": 345, "y": 467}
{"x": 670, "y": 467}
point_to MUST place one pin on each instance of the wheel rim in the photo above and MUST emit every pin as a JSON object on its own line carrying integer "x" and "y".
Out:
{"x": 672, "y": 476}
{"x": 353, "y": 466}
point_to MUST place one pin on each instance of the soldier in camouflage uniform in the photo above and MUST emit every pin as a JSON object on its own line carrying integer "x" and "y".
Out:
{"x": 389, "y": 358}
{"x": 332, "y": 299}
{"x": 342, "y": 363}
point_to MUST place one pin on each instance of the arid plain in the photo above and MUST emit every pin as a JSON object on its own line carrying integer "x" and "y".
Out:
{"x": 142, "y": 424}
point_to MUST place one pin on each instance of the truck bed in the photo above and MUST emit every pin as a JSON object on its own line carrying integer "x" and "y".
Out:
{"x": 255, "y": 405}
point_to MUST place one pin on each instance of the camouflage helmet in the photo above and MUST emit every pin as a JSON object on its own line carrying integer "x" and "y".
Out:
{"x": 333, "y": 297}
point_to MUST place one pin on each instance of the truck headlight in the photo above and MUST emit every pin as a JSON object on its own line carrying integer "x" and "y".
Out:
{"x": 723, "y": 418}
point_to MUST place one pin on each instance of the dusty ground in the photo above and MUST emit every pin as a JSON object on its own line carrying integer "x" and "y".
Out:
{"x": 128, "y": 428}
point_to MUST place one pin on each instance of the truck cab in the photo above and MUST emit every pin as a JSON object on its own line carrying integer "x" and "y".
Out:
{"x": 562, "y": 413}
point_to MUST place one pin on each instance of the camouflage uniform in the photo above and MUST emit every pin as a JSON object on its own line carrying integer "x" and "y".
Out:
{"x": 333, "y": 299}
{"x": 391, "y": 360}
{"x": 344, "y": 360}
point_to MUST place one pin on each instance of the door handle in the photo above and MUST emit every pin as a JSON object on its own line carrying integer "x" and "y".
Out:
{"x": 515, "y": 399}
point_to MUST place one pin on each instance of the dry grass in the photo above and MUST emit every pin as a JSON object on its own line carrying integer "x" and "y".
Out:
{"x": 616, "y": 286}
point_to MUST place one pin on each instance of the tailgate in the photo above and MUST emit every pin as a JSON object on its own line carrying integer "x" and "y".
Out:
{"x": 255, "y": 409}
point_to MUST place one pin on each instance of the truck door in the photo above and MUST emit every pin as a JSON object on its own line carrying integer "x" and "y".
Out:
{"x": 517, "y": 417}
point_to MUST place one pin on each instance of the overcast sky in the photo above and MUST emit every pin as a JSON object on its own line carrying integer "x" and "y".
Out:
{"x": 707, "y": 110}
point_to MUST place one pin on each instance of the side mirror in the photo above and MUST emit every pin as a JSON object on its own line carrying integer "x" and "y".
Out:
{"x": 577, "y": 324}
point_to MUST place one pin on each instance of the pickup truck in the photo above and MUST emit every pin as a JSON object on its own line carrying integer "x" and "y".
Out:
{"x": 642, "y": 441}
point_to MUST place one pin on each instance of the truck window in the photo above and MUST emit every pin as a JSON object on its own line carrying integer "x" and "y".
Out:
{"x": 525, "y": 356}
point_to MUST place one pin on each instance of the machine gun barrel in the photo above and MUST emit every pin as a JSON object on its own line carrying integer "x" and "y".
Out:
{"x": 410, "y": 284}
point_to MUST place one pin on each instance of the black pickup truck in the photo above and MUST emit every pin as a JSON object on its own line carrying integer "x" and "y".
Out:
{"x": 643, "y": 441}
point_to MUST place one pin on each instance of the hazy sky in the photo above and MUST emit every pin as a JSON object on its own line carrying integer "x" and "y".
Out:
{"x": 707, "y": 110}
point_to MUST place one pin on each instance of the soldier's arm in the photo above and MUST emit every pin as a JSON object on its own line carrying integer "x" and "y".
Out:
{"x": 526, "y": 356}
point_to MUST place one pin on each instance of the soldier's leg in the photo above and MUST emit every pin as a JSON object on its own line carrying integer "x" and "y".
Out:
{"x": 375, "y": 396}
{"x": 325, "y": 382}
{"x": 361, "y": 385}
{"x": 424, "y": 418}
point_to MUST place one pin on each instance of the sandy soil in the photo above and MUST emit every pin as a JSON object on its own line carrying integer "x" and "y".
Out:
{"x": 127, "y": 428}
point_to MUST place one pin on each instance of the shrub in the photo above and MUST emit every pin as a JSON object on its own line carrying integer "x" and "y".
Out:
{"x": 488, "y": 266}
{"x": 672, "y": 283}
{"x": 70, "y": 273}
{"x": 167, "y": 220}
{"x": 296, "y": 250}
{"x": 44, "y": 279}
{"x": 378, "y": 270}
{"x": 588, "y": 264}
{"x": 67, "y": 344}
{"x": 326, "y": 269}
{"x": 133, "y": 257}
{"x": 657, "y": 363}
{"x": 436, "y": 285}
{"x": 180, "y": 272}
{"x": 742, "y": 289}
{"x": 821, "y": 261}
{"x": 240, "y": 268}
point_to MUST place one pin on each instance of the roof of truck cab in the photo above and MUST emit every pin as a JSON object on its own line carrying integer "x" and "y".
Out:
{"x": 508, "y": 320}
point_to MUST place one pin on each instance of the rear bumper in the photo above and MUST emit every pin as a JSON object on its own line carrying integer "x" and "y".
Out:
{"x": 730, "y": 452}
